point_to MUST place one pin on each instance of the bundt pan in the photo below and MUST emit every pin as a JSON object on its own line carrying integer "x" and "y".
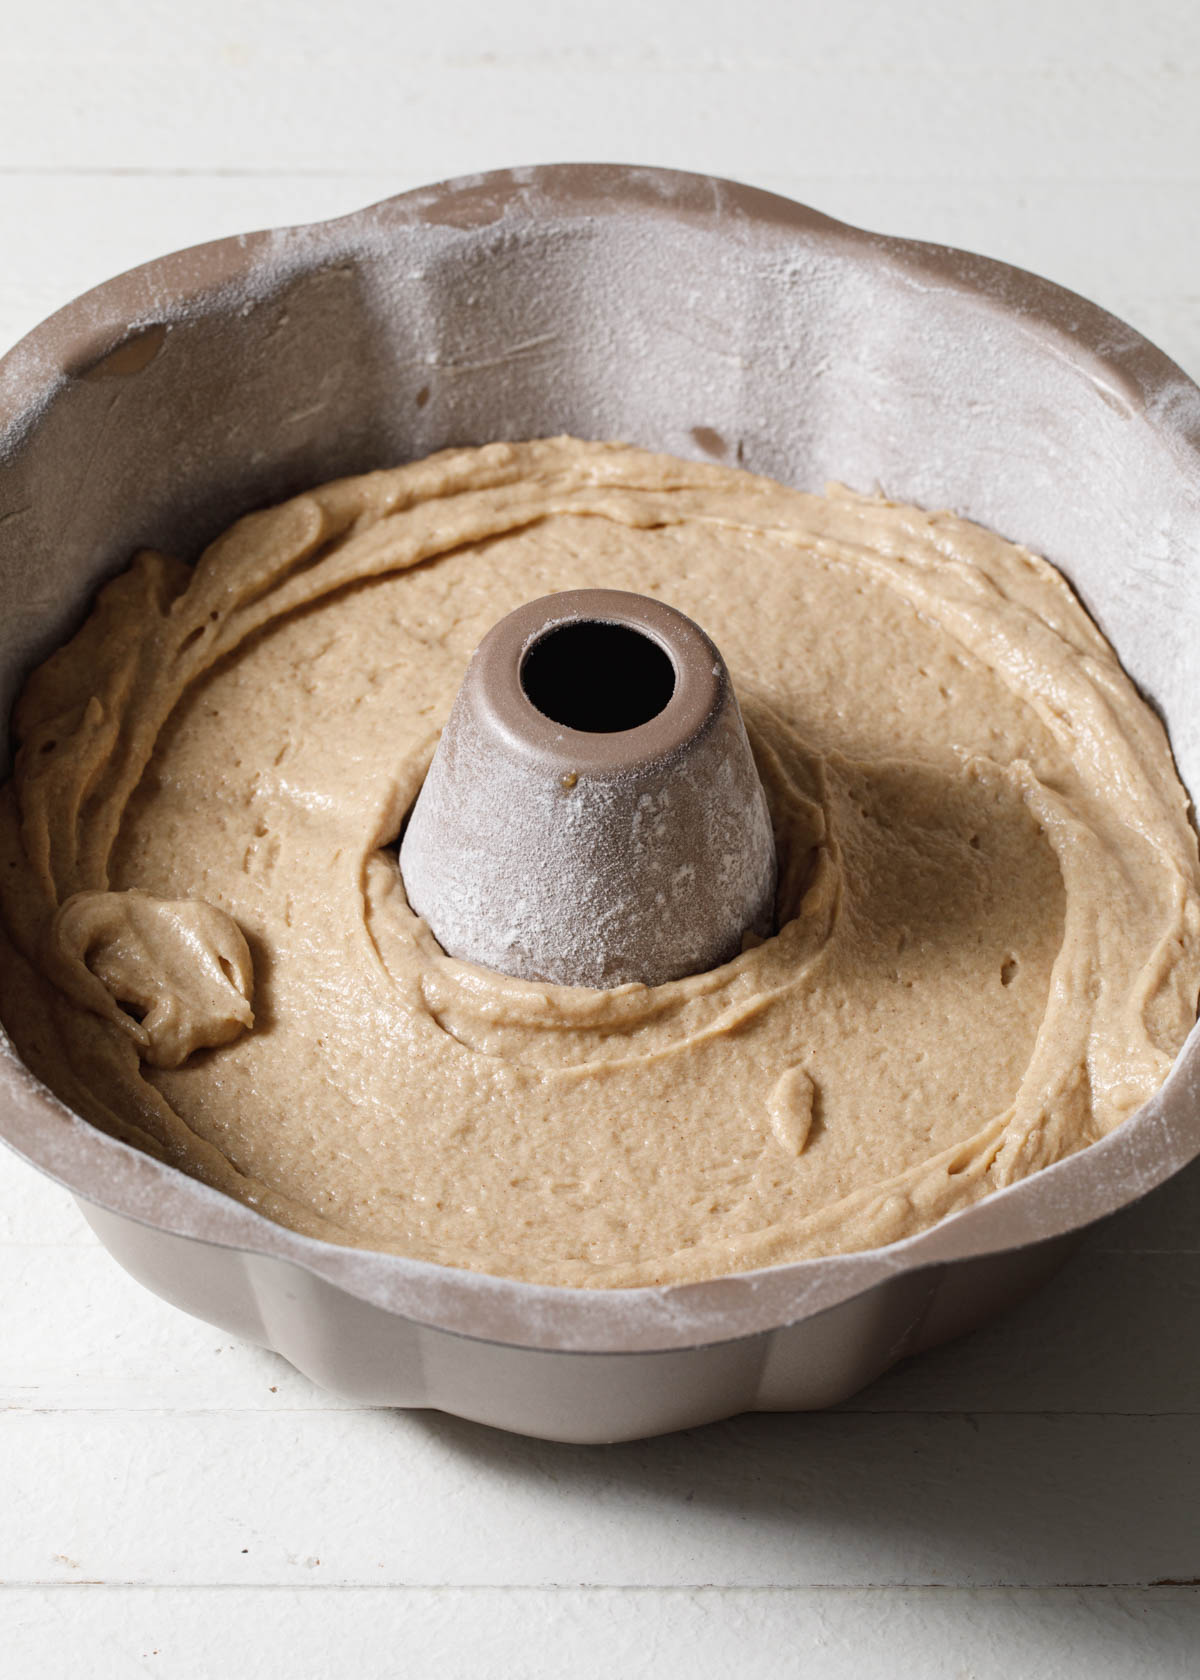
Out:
{"x": 686, "y": 314}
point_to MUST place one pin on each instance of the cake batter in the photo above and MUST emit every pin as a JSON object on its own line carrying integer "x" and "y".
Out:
{"x": 988, "y": 925}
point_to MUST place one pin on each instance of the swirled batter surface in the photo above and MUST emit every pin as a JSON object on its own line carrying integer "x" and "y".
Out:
{"x": 988, "y": 944}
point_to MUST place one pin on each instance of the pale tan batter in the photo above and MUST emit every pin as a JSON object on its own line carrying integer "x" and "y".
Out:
{"x": 989, "y": 948}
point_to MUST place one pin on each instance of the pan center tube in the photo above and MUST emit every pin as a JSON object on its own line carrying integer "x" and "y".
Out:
{"x": 593, "y": 815}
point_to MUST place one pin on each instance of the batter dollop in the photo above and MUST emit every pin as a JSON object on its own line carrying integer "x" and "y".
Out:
{"x": 988, "y": 935}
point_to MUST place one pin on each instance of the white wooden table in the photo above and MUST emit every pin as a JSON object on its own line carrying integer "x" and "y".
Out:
{"x": 1024, "y": 1504}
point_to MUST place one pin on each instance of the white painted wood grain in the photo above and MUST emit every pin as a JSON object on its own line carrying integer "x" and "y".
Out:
{"x": 421, "y": 1499}
{"x": 33, "y": 1210}
{"x": 79, "y": 1333}
{"x": 953, "y": 122}
{"x": 960, "y": 92}
{"x": 707, "y": 1634}
{"x": 1076, "y": 36}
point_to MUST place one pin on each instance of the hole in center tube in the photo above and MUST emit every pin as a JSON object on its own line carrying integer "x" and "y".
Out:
{"x": 598, "y": 677}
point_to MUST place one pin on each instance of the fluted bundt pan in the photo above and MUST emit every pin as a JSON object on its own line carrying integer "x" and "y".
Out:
{"x": 690, "y": 315}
